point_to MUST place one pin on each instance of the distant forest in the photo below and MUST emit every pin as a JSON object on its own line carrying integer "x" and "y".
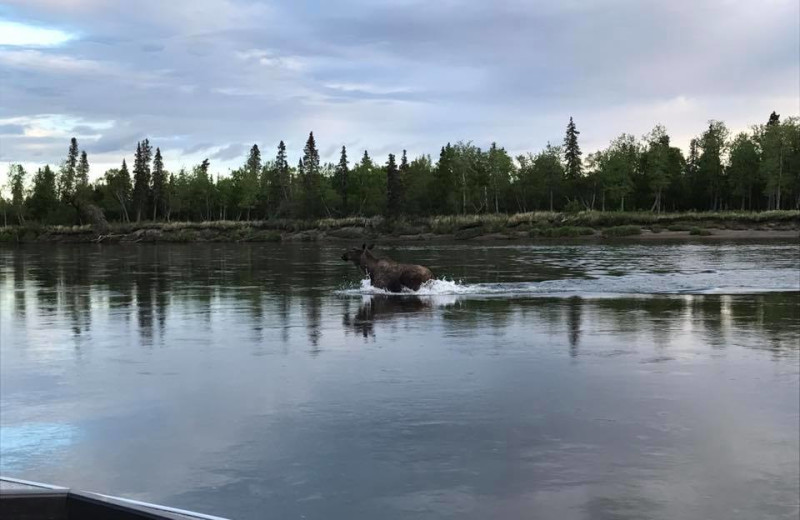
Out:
{"x": 753, "y": 171}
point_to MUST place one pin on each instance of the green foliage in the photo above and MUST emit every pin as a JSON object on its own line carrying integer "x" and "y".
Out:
{"x": 367, "y": 189}
{"x": 710, "y": 170}
{"x": 573, "y": 206}
{"x": 700, "y": 231}
{"x": 43, "y": 201}
{"x": 617, "y": 168}
{"x": 562, "y": 232}
{"x": 743, "y": 171}
{"x": 780, "y": 161}
{"x": 16, "y": 185}
{"x": 540, "y": 179}
{"x": 661, "y": 167}
{"x": 622, "y": 231}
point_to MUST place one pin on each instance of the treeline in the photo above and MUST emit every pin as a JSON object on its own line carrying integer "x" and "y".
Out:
{"x": 755, "y": 170}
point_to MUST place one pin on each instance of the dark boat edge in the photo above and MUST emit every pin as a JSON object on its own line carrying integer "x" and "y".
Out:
{"x": 27, "y": 500}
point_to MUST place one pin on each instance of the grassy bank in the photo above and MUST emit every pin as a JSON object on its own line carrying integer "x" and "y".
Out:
{"x": 535, "y": 225}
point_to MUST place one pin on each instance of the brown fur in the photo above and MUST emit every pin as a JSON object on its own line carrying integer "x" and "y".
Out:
{"x": 385, "y": 273}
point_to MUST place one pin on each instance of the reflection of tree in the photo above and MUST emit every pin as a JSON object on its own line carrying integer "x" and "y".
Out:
{"x": 315, "y": 278}
{"x": 19, "y": 287}
{"x": 116, "y": 271}
{"x": 776, "y": 315}
{"x": 162, "y": 290}
{"x": 46, "y": 280}
{"x": 278, "y": 286}
{"x": 144, "y": 307}
{"x": 77, "y": 284}
{"x": 574, "y": 324}
{"x": 284, "y": 312}
{"x": 707, "y": 311}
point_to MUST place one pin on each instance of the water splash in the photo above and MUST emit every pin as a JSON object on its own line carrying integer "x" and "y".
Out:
{"x": 429, "y": 288}
{"x": 608, "y": 285}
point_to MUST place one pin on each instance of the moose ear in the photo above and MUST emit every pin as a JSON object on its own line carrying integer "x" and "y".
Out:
{"x": 371, "y": 246}
{"x": 363, "y": 246}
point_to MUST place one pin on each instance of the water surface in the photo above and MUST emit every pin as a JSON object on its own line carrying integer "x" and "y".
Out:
{"x": 266, "y": 381}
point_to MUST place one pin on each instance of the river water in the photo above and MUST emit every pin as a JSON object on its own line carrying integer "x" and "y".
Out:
{"x": 534, "y": 381}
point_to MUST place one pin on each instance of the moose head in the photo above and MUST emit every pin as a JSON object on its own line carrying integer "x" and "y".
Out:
{"x": 354, "y": 255}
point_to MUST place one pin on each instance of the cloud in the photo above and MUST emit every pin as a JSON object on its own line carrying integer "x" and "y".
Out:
{"x": 268, "y": 58}
{"x": 197, "y": 76}
{"x": 231, "y": 151}
{"x": 152, "y": 47}
{"x": 54, "y": 63}
{"x": 83, "y": 130}
{"x": 24, "y": 35}
{"x": 199, "y": 147}
{"x": 11, "y": 129}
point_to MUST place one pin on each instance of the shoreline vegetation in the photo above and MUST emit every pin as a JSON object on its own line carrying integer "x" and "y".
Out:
{"x": 532, "y": 226}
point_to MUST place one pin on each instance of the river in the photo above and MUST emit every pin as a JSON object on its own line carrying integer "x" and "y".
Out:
{"x": 617, "y": 380}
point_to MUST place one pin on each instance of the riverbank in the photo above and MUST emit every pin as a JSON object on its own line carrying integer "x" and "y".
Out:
{"x": 524, "y": 226}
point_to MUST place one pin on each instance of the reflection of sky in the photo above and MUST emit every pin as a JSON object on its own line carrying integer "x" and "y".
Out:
{"x": 19, "y": 444}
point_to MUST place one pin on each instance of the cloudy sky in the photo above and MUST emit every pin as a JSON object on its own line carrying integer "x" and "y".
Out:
{"x": 208, "y": 78}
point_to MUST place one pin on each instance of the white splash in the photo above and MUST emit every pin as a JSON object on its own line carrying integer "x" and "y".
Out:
{"x": 429, "y": 288}
{"x": 600, "y": 285}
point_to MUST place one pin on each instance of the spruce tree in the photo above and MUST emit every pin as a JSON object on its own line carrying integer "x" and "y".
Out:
{"x": 300, "y": 175}
{"x": 278, "y": 182}
{"x": 159, "y": 182}
{"x": 82, "y": 188}
{"x": 572, "y": 155}
{"x": 311, "y": 156}
{"x": 403, "y": 164}
{"x": 284, "y": 174}
{"x": 444, "y": 198}
{"x": 82, "y": 171}
{"x": 141, "y": 178}
{"x": 66, "y": 181}
{"x": 403, "y": 180}
{"x": 310, "y": 177}
{"x": 392, "y": 188}
{"x": 341, "y": 179}
{"x": 122, "y": 189}
{"x": 254, "y": 161}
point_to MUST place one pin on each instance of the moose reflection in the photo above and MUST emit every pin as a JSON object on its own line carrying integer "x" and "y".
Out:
{"x": 383, "y": 308}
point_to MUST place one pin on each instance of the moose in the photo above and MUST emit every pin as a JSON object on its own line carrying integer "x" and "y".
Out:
{"x": 385, "y": 273}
